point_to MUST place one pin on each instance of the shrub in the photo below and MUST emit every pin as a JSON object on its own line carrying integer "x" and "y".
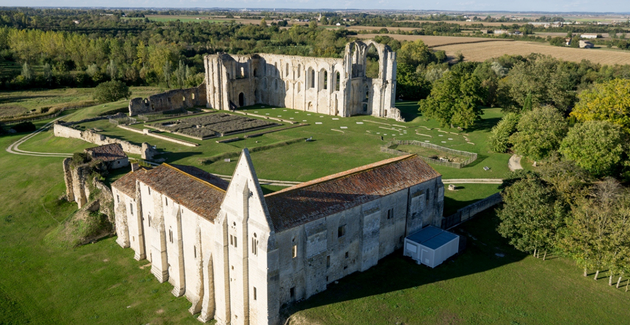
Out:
{"x": 500, "y": 137}
{"x": 111, "y": 91}
{"x": 24, "y": 127}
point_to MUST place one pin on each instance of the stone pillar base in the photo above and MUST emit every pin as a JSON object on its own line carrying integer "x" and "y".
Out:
{"x": 123, "y": 243}
{"x": 205, "y": 318}
{"x": 162, "y": 276}
{"x": 178, "y": 292}
{"x": 139, "y": 257}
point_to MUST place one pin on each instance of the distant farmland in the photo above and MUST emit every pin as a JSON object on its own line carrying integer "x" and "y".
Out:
{"x": 481, "y": 49}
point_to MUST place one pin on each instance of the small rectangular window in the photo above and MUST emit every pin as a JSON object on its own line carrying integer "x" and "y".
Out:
{"x": 117, "y": 198}
{"x": 170, "y": 235}
{"x": 149, "y": 190}
{"x": 195, "y": 251}
{"x": 231, "y": 240}
{"x": 235, "y": 244}
{"x": 292, "y": 292}
{"x": 390, "y": 213}
{"x": 341, "y": 231}
{"x": 347, "y": 254}
{"x": 255, "y": 296}
{"x": 131, "y": 208}
{"x": 294, "y": 251}
{"x": 428, "y": 196}
{"x": 328, "y": 261}
{"x": 166, "y": 199}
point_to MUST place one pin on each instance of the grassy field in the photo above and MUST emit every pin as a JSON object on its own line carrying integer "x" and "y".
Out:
{"x": 340, "y": 144}
{"x": 38, "y": 101}
{"x": 44, "y": 283}
{"x": 489, "y": 283}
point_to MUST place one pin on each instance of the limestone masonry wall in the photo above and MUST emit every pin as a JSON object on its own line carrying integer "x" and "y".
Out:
{"x": 170, "y": 100}
{"x": 146, "y": 151}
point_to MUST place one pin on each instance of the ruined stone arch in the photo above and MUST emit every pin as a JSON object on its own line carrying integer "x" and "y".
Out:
{"x": 241, "y": 100}
{"x": 337, "y": 81}
{"x": 323, "y": 79}
{"x": 310, "y": 78}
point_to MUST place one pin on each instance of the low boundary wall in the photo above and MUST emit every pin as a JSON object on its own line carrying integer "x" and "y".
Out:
{"x": 471, "y": 155}
{"x": 471, "y": 210}
{"x": 145, "y": 150}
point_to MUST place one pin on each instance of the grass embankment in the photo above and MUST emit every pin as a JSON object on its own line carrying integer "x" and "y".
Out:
{"x": 44, "y": 283}
{"x": 489, "y": 283}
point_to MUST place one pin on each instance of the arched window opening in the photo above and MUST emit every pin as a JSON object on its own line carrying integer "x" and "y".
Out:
{"x": 241, "y": 100}
{"x": 299, "y": 69}
{"x": 311, "y": 77}
{"x": 372, "y": 62}
{"x": 255, "y": 72}
{"x": 287, "y": 69}
{"x": 275, "y": 84}
{"x": 337, "y": 81}
{"x": 243, "y": 72}
{"x": 324, "y": 81}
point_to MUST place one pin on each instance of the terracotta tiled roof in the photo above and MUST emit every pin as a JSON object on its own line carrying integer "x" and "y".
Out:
{"x": 197, "y": 190}
{"x": 108, "y": 152}
{"x": 127, "y": 183}
{"x": 321, "y": 197}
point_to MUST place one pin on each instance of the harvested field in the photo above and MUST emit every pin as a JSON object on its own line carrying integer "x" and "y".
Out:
{"x": 208, "y": 126}
{"x": 467, "y": 23}
{"x": 488, "y": 50}
{"x": 434, "y": 41}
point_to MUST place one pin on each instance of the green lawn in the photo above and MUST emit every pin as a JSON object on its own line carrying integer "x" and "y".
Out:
{"x": 476, "y": 287}
{"x": 42, "y": 283}
{"x": 340, "y": 144}
{"x": 466, "y": 194}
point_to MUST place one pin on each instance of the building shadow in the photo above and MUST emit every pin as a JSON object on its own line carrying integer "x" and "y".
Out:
{"x": 485, "y": 250}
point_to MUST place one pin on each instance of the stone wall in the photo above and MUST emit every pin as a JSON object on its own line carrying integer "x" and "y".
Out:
{"x": 471, "y": 210}
{"x": 321, "y": 85}
{"x": 145, "y": 151}
{"x": 170, "y": 100}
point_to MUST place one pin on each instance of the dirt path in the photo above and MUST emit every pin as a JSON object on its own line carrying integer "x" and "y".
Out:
{"x": 514, "y": 163}
{"x": 14, "y": 148}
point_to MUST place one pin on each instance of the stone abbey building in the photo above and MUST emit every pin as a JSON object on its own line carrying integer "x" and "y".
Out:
{"x": 238, "y": 255}
{"x": 331, "y": 86}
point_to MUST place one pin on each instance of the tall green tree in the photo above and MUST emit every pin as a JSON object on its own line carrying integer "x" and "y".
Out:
{"x": 539, "y": 132}
{"x": 167, "y": 70}
{"x": 111, "y": 91}
{"x": 607, "y": 101}
{"x": 500, "y": 134}
{"x": 531, "y": 215}
{"x": 596, "y": 146}
{"x": 454, "y": 100}
{"x": 27, "y": 72}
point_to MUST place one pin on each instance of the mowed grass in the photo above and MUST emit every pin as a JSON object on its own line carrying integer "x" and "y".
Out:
{"x": 44, "y": 283}
{"x": 488, "y": 283}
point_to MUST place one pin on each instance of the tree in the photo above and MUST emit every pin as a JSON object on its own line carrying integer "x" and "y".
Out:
{"x": 607, "y": 101}
{"x": 112, "y": 70}
{"x": 454, "y": 100}
{"x": 166, "y": 70}
{"x": 47, "y": 73}
{"x": 27, "y": 72}
{"x": 500, "y": 134}
{"x": 539, "y": 132}
{"x": 596, "y": 146}
{"x": 181, "y": 74}
{"x": 111, "y": 91}
{"x": 531, "y": 215}
{"x": 415, "y": 53}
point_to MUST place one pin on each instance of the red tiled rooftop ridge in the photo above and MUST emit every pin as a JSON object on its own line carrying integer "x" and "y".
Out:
{"x": 331, "y": 194}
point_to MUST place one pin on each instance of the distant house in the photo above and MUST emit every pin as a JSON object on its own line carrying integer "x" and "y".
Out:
{"x": 484, "y": 31}
{"x": 567, "y": 41}
{"x": 111, "y": 154}
{"x": 586, "y": 45}
{"x": 501, "y": 32}
{"x": 590, "y": 36}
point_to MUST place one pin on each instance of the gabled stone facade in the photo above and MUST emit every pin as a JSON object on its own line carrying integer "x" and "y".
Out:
{"x": 322, "y": 85}
{"x": 238, "y": 255}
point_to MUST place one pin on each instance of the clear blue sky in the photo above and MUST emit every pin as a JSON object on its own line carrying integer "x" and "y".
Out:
{"x": 471, "y": 5}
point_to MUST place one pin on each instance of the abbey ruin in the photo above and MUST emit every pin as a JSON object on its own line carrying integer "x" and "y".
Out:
{"x": 331, "y": 86}
{"x": 238, "y": 255}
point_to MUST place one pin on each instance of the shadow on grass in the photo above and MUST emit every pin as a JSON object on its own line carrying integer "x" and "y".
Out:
{"x": 480, "y": 158}
{"x": 452, "y": 205}
{"x": 484, "y": 124}
{"x": 172, "y": 157}
{"x": 396, "y": 272}
{"x": 408, "y": 110}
